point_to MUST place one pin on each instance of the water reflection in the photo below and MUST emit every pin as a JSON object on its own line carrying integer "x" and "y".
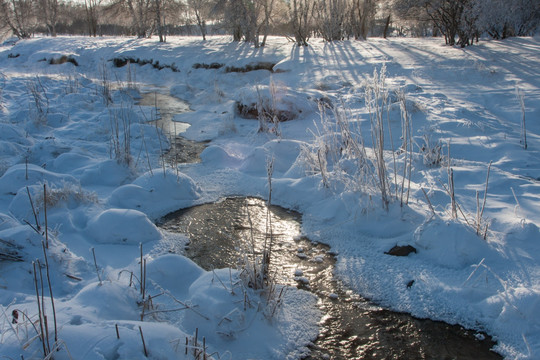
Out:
{"x": 182, "y": 150}
{"x": 352, "y": 327}
{"x": 167, "y": 107}
{"x": 222, "y": 232}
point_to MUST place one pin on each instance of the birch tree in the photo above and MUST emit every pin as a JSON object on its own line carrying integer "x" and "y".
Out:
{"x": 201, "y": 11}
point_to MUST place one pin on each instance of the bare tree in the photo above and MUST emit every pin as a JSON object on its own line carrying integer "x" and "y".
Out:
{"x": 91, "y": 8}
{"x": 246, "y": 19}
{"x": 504, "y": 18}
{"x": 330, "y": 19}
{"x": 159, "y": 19}
{"x": 19, "y": 17}
{"x": 140, "y": 11}
{"x": 234, "y": 15}
{"x": 449, "y": 17}
{"x": 48, "y": 10}
{"x": 301, "y": 20}
{"x": 386, "y": 10}
{"x": 267, "y": 13}
{"x": 362, "y": 14}
{"x": 250, "y": 22}
{"x": 201, "y": 11}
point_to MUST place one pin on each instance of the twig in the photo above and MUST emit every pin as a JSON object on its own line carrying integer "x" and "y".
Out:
{"x": 144, "y": 280}
{"x": 45, "y": 320}
{"x": 56, "y": 346}
{"x": 27, "y": 318}
{"x": 37, "y": 228}
{"x": 141, "y": 261}
{"x": 50, "y": 292}
{"x": 39, "y": 311}
{"x": 32, "y": 226}
{"x": 45, "y": 210}
{"x": 143, "y": 343}
{"x": 195, "y": 342}
{"x": 164, "y": 311}
{"x": 323, "y": 169}
{"x": 456, "y": 204}
{"x": 95, "y": 264}
{"x": 452, "y": 193}
{"x": 73, "y": 277}
{"x": 518, "y": 206}
{"x": 188, "y": 306}
{"x": 474, "y": 271}
{"x": 221, "y": 282}
{"x": 428, "y": 201}
{"x": 204, "y": 347}
{"x": 485, "y": 191}
{"x": 520, "y": 98}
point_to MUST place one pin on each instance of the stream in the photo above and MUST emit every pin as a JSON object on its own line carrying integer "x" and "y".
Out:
{"x": 182, "y": 150}
{"x": 352, "y": 327}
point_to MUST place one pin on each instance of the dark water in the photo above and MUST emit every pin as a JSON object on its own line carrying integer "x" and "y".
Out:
{"x": 352, "y": 327}
{"x": 182, "y": 150}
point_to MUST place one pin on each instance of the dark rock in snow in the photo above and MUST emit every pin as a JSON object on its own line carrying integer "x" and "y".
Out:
{"x": 401, "y": 250}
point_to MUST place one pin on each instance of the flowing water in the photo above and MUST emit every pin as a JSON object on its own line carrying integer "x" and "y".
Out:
{"x": 352, "y": 327}
{"x": 182, "y": 150}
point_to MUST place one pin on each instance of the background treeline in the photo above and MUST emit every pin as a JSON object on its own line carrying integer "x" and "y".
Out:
{"x": 461, "y": 22}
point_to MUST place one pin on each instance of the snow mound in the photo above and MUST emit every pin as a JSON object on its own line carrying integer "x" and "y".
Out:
{"x": 13, "y": 134}
{"x": 122, "y": 226}
{"x": 121, "y": 301}
{"x": 108, "y": 172}
{"x": 21, "y": 235}
{"x": 238, "y": 318}
{"x": 71, "y": 161}
{"x": 280, "y": 101}
{"x": 176, "y": 185}
{"x": 61, "y": 202}
{"x": 174, "y": 273}
{"x": 156, "y": 193}
{"x": 19, "y": 176}
{"x": 218, "y": 157}
{"x": 450, "y": 244}
{"x": 7, "y": 222}
{"x": 284, "y": 153}
{"x": 129, "y": 196}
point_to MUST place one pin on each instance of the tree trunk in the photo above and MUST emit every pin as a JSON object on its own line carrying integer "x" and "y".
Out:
{"x": 386, "y": 26}
{"x": 201, "y": 24}
{"x": 159, "y": 22}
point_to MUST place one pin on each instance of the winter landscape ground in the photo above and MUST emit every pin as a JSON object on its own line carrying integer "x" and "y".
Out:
{"x": 376, "y": 130}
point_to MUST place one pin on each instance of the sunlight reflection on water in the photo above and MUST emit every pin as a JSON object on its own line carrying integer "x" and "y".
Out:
{"x": 182, "y": 150}
{"x": 168, "y": 106}
{"x": 352, "y": 327}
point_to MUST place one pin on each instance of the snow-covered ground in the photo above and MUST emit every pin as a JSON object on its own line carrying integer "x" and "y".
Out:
{"x": 61, "y": 127}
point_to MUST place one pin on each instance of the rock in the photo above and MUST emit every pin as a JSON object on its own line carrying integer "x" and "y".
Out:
{"x": 401, "y": 250}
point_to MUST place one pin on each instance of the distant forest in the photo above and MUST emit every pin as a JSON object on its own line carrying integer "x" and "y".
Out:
{"x": 460, "y": 22}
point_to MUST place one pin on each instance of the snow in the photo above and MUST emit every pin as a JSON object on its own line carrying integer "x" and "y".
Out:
{"x": 59, "y": 129}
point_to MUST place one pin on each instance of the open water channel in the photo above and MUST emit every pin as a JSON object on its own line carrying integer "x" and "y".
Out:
{"x": 351, "y": 327}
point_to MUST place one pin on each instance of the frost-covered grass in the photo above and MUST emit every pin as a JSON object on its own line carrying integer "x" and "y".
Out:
{"x": 372, "y": 161}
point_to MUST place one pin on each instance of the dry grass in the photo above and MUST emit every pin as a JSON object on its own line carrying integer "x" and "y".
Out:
{"x": 68, "y": 193}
